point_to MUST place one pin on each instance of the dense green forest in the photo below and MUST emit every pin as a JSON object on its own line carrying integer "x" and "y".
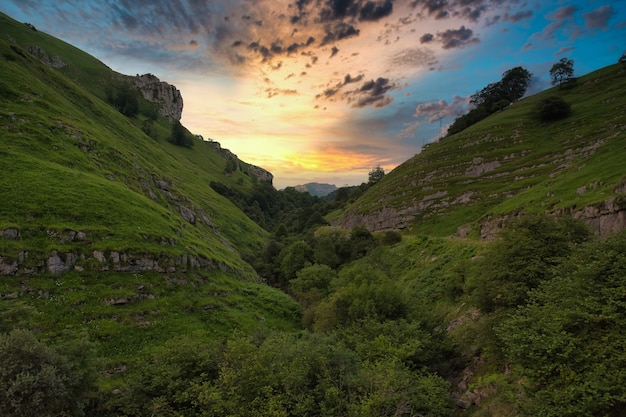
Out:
{"x": 147, "y": 272}
{"x": 541, "y": 309}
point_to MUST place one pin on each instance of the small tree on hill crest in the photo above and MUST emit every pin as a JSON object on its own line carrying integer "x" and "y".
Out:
{"x": 562, "y": 72}
{"x": 375, "y": 175}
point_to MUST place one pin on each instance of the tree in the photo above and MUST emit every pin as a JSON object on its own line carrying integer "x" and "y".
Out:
{"x": 295, "y": 257}
{"x": 568, "y": 343}
{"x": 37, "y": 380}
{"x": 494, "y": 97}
{"x": 562, "y": 71}
{"x": 515, "y": 82}
{"x": 521, "y": 259}
{"x": 375, "y": 175}
{"x": 622, "y": 59}
{"x": 179, "y": 135}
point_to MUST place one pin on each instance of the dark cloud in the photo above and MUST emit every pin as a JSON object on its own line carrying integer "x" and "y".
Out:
{"x": 471, "y": 13}
{"x": 435, "y": 8}
{"x": 457, "y": 38}
{"x": 339, "y": 31}
{"x": 273, "y": 92}
{"x": 262, "y": 50}
{"x": 334, "y": 51}
{"x": 599, "y": 18}
{"x": 563, "y": 13}
{"x": 193, "y": 43}
{"x": 348, "y": 79}
{"x": 521, "y": 15}
{"x": 276, "y": 48}
{"x": 372, "y": 93}
{"x": 332, "y": 91}
{"x": 338, "y": 10}
{"x": 373, "y": 11}
{"x": 427, "y": 37}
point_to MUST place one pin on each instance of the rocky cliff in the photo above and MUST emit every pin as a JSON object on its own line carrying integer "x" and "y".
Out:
{"x": 168, "y": 97}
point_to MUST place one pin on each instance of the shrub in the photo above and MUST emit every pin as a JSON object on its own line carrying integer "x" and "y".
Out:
{"x": 553, "y": 108}
{"x": 37, "y": 380}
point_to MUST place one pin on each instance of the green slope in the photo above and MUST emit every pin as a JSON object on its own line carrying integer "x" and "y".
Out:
{"x": 73, "y": 163}
{"x": 107, "y": 230}
{"x": 511, "y": 162}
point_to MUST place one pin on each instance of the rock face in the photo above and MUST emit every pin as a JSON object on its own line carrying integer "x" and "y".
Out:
{"x": 52, "y": 61}
{"x": 58, "y": 262}
{"x": 260, "y": 174}
{"x": 167, "y": 96}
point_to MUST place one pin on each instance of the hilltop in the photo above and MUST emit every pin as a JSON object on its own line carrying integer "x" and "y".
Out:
{"x": 510, "y": 163}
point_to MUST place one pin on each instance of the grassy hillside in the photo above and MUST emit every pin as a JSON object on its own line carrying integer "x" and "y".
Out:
{"x": 129, "y": 278}
{"x": 73, "y": 163}
{"x": 105, "y": 229}
{"x": 512, "y": 162}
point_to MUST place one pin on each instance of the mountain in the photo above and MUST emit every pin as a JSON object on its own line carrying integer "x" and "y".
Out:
{"x": 316, "y": 189}
{"x": 99, "y": 208}
{"x": 471, "y": 182}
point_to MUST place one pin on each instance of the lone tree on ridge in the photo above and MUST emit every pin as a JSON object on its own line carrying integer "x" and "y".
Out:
{"x": 562, "y": 71}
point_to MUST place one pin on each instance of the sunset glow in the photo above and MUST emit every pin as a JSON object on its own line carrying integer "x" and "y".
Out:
{"x": 326, "y": 90}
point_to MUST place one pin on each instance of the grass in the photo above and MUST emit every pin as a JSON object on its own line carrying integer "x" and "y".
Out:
{"x": 73, "y": 165}
{"x": 512, "y": 162}
{"x": 72, "y": 162}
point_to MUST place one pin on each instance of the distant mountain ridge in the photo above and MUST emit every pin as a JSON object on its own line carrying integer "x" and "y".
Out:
{"x": 316, "y": 189}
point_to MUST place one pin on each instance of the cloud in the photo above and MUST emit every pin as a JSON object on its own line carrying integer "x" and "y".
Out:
{"x": 435, "y": 109}
{"x": 373, "y": 11}
{"x": 331, "y": 91}
{"x": 599, "y": 18}
{"x": 519, "y": 16}
{"x": 273, "y": 92}
{"x": 372, "y": 93}
{"x": 426, "y": 38}
{"x": 457, "y": 38}
{"x": 561, "y": 17}
{"x": 338, "y": 32}
{"x": 409, "y": 130}
{"x": 564, "y": 50}
{"x": 562, "y": 13}
{"x": 413, "y": 58}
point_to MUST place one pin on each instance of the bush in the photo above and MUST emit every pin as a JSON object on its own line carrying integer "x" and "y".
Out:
{"x": 568, "y": 342}
{"x": 553, "y": 108}
{"x": 36, "y": 380}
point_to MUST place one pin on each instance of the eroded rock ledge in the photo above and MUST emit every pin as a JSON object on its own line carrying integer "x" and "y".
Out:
{"x": 603, "y": 219}
{"x": 59, "y": 262}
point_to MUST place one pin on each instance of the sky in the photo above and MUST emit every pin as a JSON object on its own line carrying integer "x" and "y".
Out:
{"x": 327, "y": 90}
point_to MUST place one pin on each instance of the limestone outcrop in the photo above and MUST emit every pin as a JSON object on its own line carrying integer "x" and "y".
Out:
{"x": 166, "y": 96}
{"x": 59, "y": 262}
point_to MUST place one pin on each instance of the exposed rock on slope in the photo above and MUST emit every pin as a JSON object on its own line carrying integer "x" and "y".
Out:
{"x": 261, "y": 174}
{"x": 167, "y": 96}
{"x": 512, "y": 163}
